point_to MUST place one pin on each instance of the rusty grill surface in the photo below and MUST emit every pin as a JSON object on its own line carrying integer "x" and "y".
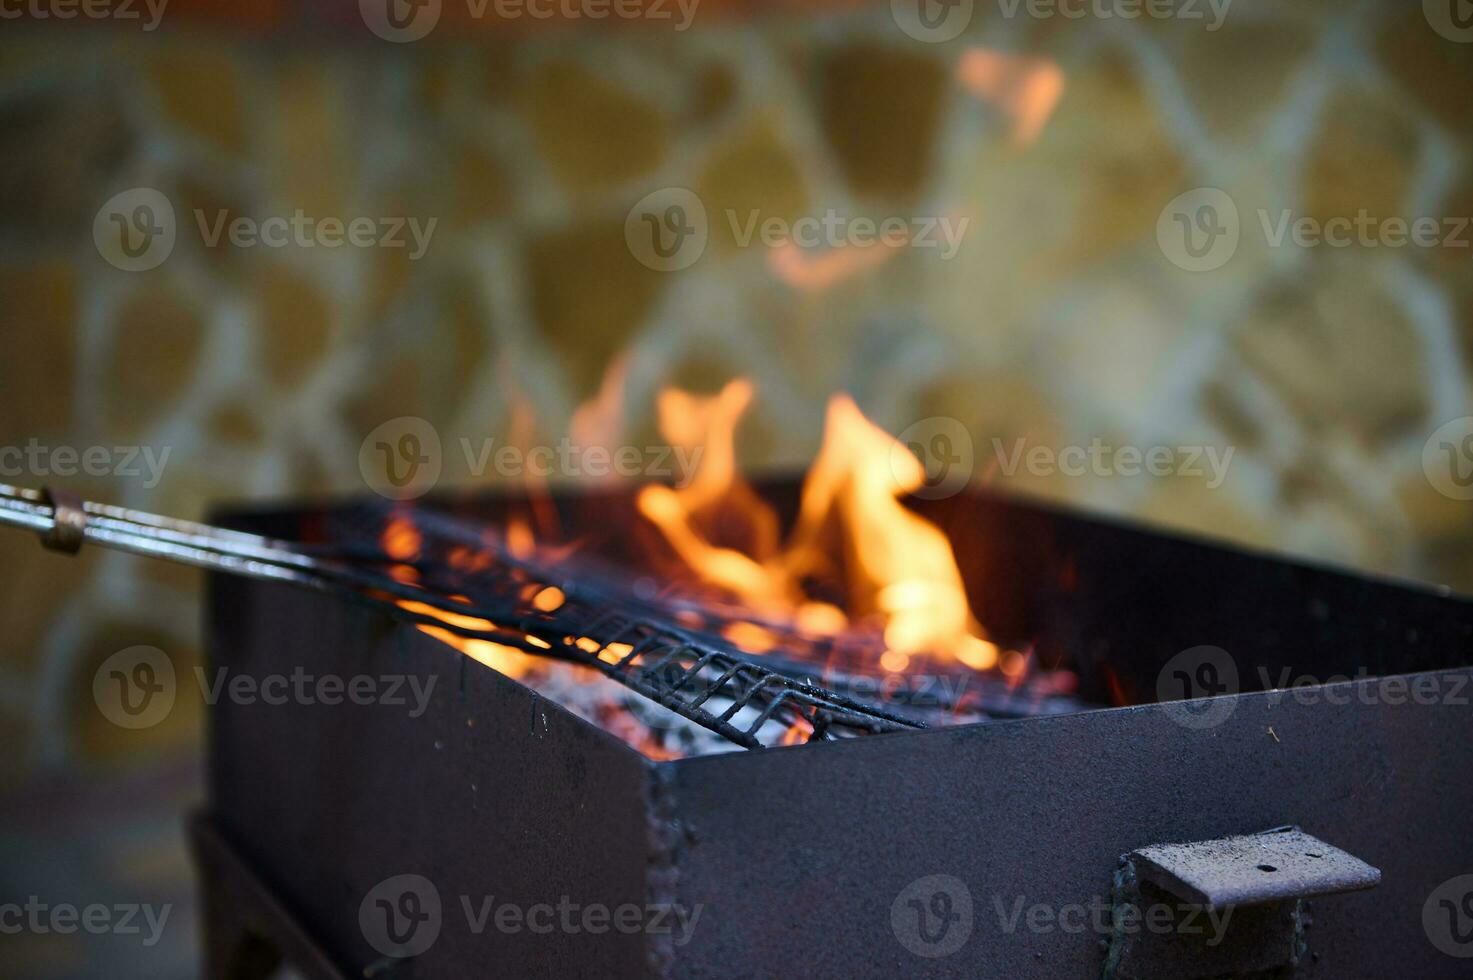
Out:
{"x": 802, "y": 858}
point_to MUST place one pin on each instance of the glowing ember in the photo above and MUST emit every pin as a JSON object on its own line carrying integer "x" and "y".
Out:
{"x": 402, "y": 541}
{"x": 549, "y": 600}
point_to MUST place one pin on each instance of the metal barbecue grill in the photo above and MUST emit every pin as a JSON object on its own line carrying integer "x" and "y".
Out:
{"x": 629, "y": 640}
{"x": 1330, "y": 818}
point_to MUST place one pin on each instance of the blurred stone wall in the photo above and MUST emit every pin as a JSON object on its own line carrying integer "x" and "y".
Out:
{"x": 1066, "y": 315}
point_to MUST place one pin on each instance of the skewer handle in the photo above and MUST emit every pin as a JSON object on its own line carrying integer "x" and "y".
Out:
{"x": 68, "y": 521}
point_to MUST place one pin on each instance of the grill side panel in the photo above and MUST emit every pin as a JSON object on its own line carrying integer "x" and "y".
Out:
{"x": 492, "y": 794}
{"x": 800, "y": 857}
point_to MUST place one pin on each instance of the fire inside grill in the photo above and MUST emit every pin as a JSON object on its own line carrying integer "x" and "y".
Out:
{"x": 855, "y": 622}
{"x": 684, "y": 622}
{"x": 720, "y": 618}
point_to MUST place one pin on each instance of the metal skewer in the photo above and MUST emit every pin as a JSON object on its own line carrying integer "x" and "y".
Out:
{"x": 631, "y": 644}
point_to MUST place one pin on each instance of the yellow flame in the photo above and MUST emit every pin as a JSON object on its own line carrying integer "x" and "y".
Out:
{"x": 508, "y": 660}
{"x": 715, "y": 502}
{"x": 898, "y": 568}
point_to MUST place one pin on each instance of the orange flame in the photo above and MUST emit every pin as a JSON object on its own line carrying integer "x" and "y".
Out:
{"x": 716, "y": 523}
{"x": 1027, "y": 89}
{"x": 895, "y": 569}
{"x": 508, "y": 660}
{"x": 898, "y": 568}
{"x": 600, "y": 420}
{"x": 816, "y": 272}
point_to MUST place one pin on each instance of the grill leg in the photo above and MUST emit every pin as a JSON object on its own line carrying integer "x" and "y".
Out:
{"x": 232, "y": 950}
{"x": 248, "y": 934}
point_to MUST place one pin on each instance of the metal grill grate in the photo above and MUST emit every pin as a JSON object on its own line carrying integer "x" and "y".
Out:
{"x": 471, "y": 574}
